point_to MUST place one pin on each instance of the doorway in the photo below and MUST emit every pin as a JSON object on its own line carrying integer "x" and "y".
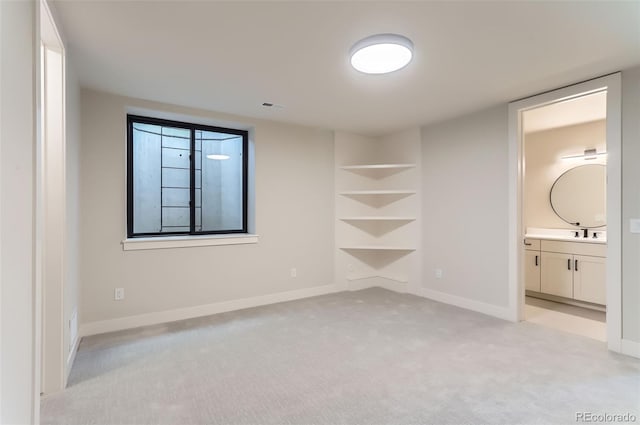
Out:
{"x": 564, "y": 215}
{"x": 596, "y": 239}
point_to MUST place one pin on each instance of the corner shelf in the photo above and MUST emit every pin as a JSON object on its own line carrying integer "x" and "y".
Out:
{"x": 373, "y": 276}
{"x": 378, "y": 166}
{"x": 376, "y": 248}
{"x": 377, "y": 218}
{"x": 377, "y": 192}
{"x": 376, "y": 213}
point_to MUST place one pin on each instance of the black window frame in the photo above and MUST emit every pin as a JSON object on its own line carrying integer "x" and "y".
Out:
{"x": 131, "y": 119}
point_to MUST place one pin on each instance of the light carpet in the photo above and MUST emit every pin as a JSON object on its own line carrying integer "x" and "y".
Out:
{"x": 365, "y": 357}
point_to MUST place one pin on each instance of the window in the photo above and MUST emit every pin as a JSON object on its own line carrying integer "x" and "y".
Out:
{"x": 185, "y": 179}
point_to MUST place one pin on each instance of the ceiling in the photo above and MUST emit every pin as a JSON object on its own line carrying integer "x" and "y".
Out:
{"x": 233, "y": 56}
{"x": 579, "y": 110}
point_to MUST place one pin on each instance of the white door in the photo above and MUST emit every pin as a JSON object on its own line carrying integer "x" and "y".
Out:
{"x": 532, "y": 270}
{"x": 589, "y": 279}
{"x": 556, "y": 276}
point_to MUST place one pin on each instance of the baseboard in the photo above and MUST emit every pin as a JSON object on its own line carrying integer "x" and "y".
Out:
{"x": 466, "y": 303}
{"x": 71, "y": 358}
{"x": 130, "y": 322}
{"x": 377, "y": 282}
{"x": 630, "y": 348}
{"x": 392, "y": 285}
{"x": 360, "y": 284}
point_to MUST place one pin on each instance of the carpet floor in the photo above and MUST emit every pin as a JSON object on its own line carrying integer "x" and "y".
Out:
{"x": 366, "y": 357}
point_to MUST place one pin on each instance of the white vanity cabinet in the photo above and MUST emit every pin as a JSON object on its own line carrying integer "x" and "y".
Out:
{"x": 574, "y": 270}
{"x": 532, "y": 263}
{"x": 557, "y": 274}
{"x": 589, "y": 279}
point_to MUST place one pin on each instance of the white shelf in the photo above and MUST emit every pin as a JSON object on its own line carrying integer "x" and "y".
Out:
{"x": 372, "y": 276}
{"x": 377, "y": 166}
{"x": 377, "y": 218}
{"x": 377, "y": 248}
{"x": 377, "y": 192}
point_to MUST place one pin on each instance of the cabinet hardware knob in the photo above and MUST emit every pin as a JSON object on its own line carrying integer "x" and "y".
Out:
{"x": 569, "y": 264}
{"x": 576, "y": 265}
{"x": 536, "y": 260}
{"x": 528, "y": 244}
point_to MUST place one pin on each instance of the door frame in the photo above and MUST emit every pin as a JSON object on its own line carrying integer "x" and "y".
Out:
{"x": 612, "y": 84}
{"x": 50, "y": 206}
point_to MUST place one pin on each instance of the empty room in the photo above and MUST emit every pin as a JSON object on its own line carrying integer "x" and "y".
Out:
{"x": 310, "y": 212}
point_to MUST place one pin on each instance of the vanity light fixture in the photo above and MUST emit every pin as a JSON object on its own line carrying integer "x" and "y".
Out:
{"x": 218, "y": 157}
{"x": 381, "y": 53}
{"x": 588, "y": 154}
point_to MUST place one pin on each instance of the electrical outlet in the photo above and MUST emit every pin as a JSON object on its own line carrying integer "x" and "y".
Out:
{"x": 294, "y": 272}
{"x": 438, "y": 273}
{"x": 118, "y": 294}
{"x": 634, "y": 225}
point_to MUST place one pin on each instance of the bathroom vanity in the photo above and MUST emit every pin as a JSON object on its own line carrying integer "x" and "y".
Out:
{"x": 566, "y": 268}
{"x": 569, "y": 265}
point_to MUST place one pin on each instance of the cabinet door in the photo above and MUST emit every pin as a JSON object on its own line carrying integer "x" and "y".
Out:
{"x": 532, "y": 270}
{"x": 589, "y": 279}
{"x": 556, "y": 276}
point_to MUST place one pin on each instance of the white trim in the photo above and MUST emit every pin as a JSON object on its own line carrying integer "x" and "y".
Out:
{"x": 392, "y": 285}
{"x": 366, "y": 282}
{"x": 50, "y": 264}
{"x": 612, "y": 84}
{"x": 466, "y": 303}
{"x": 360, "y": 284}
{"x": 134, "y": 244}
{"x": 630, "y": 348}
{"x": 377, "y": 166}
{"x": 71, "y": 358}
{"x": 129, "y": 322}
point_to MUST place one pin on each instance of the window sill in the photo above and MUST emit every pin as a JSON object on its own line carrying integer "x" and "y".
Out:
{"x": 134, "y": 244}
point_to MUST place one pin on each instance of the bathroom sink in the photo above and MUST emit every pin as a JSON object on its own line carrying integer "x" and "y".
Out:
{"x": 566, "y": 235}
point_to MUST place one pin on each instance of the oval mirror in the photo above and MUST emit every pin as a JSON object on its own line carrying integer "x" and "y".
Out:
{"x": 579, "y": 196}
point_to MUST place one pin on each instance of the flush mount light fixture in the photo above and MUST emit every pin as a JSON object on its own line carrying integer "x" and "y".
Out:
{"x": 588, "y": 154}
{"x": 218, "y": 157}
{"x": 381, "y": 53}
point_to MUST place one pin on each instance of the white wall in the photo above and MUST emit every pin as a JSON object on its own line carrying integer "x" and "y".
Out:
{"x": 464, "y": 207}
{"x": 543, "y": 165}
{"x": 17, "y": 137}
{"x": 294, "y": 218}
{"x": 630, "y": 204}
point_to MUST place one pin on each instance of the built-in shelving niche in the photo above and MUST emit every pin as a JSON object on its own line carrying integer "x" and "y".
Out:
{"x": 377, "y": 209}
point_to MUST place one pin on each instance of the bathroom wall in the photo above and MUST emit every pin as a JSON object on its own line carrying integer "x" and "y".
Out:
{"x": 543, "y": 165}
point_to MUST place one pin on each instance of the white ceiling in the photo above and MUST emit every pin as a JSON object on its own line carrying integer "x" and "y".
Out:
{"x": 232, "y": 56}
{"x": 579, "y": 110}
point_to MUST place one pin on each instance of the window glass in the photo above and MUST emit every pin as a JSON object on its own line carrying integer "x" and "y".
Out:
{"x": 170, "y": 193}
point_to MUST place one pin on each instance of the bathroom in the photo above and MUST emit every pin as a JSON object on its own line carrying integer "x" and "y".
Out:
{"x": 564, "y": 215}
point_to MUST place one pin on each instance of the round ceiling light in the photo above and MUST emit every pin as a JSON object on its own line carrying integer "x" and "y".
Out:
{"x": 381, "y": 54}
